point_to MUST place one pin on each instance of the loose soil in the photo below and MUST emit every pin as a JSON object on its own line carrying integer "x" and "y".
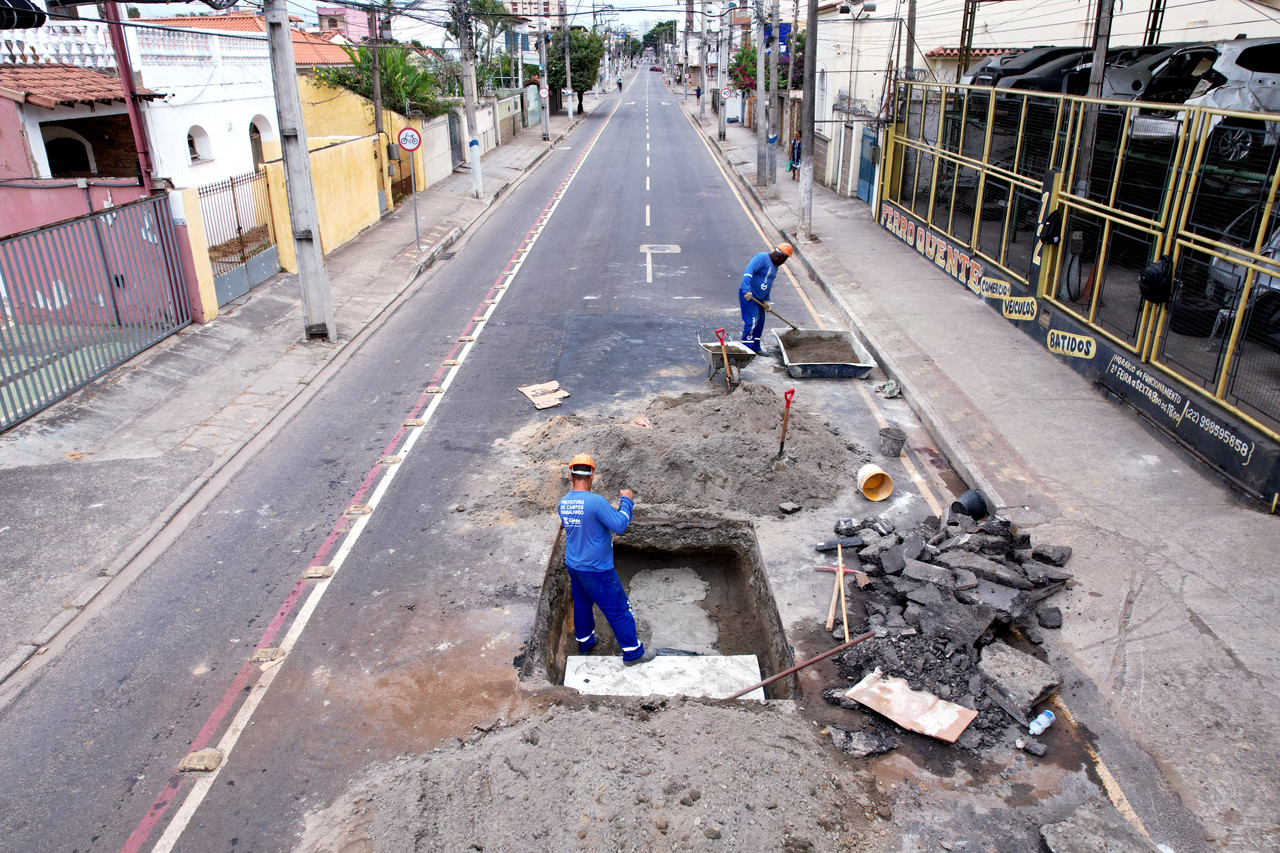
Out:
{"x": 630, "y": 774}
{"x": 690, "y": 452}
{"x": 807, "y": 349}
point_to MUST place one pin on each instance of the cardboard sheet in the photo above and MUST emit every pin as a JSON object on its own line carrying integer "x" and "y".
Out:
{"x": 544, "y": 395}
{"x": 912, "y": 709}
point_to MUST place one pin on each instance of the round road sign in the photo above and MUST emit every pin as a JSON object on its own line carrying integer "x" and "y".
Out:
{"x": 409, "y": 139}
{"x": 544, "y": 93}
{"x": 725, "y": 93}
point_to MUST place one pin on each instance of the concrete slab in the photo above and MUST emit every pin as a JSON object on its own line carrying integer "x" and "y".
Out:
{"x": 1020, "y": 678}
{"x": 711, "y": 676}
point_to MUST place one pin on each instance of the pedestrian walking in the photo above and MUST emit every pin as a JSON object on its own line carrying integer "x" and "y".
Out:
{"x": 793, "y": 165}
{"x": 757, "y": 281}
{"x": 697, "y": 94}
{"x": 619, "y": 81}
{"x": 589, "y": 524}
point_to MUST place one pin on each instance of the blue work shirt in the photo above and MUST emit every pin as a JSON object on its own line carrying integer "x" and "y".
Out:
{"x": 589, "y": 524}
{"x": 758, "y": 277}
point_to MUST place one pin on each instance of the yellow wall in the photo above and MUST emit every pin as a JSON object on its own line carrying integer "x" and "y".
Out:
{"x": 345, "y": 181}
{"x": 199, "y": 251}
{"x": 330, "y": 112}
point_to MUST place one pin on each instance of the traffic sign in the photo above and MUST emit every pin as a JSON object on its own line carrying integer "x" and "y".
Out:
{"x": 409, "y": 139}
{"x": 725, "y": 93}
{"x": 544, "y": 93}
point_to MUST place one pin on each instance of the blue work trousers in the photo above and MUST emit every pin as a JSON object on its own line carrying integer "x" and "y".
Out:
{"x": 604, "y": 590}
{"x": 752, "y": 320}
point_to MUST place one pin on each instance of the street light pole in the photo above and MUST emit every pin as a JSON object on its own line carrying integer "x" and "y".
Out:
{"x": 807, "y": 121}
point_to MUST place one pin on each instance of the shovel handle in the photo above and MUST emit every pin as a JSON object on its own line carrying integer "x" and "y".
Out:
{"x": 791, "y": 392}
{"x": 720, "y": 335}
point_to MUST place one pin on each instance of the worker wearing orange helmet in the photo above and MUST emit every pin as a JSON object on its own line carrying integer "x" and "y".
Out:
{"x": 589, "y": 524}
{"x": 757, "y": 282}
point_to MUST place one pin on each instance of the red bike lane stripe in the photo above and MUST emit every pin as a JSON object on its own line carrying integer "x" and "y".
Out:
{"x": 217, "y": 717}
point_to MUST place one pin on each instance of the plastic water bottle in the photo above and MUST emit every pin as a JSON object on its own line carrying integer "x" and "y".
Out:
{"x": 1040, "y": 723}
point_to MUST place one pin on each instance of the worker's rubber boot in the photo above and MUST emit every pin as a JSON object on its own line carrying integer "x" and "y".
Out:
{"x": 649, "y": 654}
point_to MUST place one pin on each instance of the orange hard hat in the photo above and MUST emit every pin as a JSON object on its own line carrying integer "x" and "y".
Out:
{"x": 580, "y": 462}
{"x": 784, "y": 248}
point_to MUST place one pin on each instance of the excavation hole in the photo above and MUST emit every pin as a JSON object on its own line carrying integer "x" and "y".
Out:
{"x": 696, "y": 585}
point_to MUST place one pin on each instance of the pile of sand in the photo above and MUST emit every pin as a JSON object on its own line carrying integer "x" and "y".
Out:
{"x": 694, "y": 452}
{"x": 631, "y": 775}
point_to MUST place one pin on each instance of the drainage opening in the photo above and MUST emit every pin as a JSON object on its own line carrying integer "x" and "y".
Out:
{"x": 695, "y": 584}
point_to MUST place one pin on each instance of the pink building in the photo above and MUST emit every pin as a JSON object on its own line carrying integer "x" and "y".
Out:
{"x": 352, "y": 23}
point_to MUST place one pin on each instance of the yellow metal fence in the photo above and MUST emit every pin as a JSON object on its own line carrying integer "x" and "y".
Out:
{"x": 1133, "y": 183}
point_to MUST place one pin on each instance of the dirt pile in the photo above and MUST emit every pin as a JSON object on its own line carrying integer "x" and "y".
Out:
{"x": 936, "y": 598}
{"x": 694, "y": 452}
{"x": 627, "y": 775}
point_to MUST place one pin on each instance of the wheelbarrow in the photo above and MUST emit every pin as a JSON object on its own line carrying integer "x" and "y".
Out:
{"x": 737, "y": 352}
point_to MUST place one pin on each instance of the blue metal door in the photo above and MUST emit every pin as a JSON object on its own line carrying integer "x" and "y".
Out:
{"x": 866, "y": 167}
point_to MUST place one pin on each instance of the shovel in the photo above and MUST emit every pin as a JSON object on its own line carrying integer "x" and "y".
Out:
{"x": 774, "y": 313}
{"x": 786, "y": 414}
{"x": 724, "y": 354}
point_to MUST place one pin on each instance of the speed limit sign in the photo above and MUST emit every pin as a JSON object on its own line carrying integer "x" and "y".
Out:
{"x": 409, "y": 139}
{"x": 725, "y": 93}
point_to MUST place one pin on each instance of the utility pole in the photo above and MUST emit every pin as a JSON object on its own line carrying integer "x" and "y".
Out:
{"x": 313, "y": 278}
{"x": 542, "y": 82}
{"x": 1089, "y": 126}
{"x": 378, "y": 125}
{"x": 111, "y": 12}
{"x": 788, "y": 124}
{"x": 463, "y": 21}
{"x": 688, "y": 25}
{"x": 911, "y": 40}
{"x": 762, "y": 106}
{"x": 806, "y": 121}
{"x": 775, "y": 46}
{"x": 722, "y": 68}
{"x": 568, "y": 69}
{"x": 702, "y": 69}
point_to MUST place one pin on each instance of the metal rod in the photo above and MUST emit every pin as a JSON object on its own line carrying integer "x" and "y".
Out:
{"x": 800, "y": 666}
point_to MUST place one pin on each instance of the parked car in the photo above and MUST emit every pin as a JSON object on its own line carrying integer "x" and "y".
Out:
{"x": 1211, "y": 314}
{"x": 1243, "y": 75}
{"x": 1045, "y": 77}
{"x": 1127, "y": 73}
{"x": 1021, "y": 63}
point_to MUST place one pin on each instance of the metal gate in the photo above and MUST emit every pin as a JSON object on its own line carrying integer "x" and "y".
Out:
{"x": 866, "y": 166}
{"x": 237, "y": 227}
{"x": 455, "y": 138}
{"x": 80, "y": 297}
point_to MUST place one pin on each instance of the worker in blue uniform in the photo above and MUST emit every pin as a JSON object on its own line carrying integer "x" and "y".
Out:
{"x": 589, "y": 524}
{"x": 757, "y": 282}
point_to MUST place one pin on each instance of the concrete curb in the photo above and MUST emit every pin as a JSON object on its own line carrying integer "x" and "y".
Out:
{"x": 948, "y": 442}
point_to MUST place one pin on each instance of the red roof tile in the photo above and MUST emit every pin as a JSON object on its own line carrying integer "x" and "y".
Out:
{"x": 55, "y": 85}
{"x": 954, "y": 52}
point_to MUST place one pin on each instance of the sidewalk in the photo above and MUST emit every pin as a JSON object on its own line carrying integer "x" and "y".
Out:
{"x": 119, "y": 459}
{"x": 1171, "y": 620}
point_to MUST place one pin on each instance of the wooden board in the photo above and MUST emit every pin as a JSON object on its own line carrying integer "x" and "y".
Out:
{"x": 544, "y": 395}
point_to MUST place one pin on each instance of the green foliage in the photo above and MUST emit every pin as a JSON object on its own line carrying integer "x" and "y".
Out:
{"x": 742, "y": 69}
{"x": 664, "y": 33}
{"x": 585, "y": 52}
{"x": 401, "y": 75}
{"x": 134, "y": 12}
{"x": 634, "y": 48}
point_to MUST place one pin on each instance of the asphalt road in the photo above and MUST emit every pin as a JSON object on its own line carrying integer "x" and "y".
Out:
{"x": 413, "y": 638}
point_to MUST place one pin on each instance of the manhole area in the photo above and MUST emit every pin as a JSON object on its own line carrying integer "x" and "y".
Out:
{"x": 697, "y": 588}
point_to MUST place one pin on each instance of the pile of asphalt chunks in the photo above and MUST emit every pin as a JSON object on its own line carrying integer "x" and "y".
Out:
{"x": 948, "y": 604}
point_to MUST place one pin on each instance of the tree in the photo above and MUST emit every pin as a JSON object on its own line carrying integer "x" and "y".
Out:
{"x": 585, "y": 51}
{"x": 634, "y": 47}
{"x": 797, "y": 63}
{"x": 664, "y": 33}
{"x": 133, "y": 12}
{"x": 742, "y": 69}
{"x": 400, "y": 74}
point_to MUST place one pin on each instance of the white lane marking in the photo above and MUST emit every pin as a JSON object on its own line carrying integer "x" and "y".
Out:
{"x": 646, "y": 162}
{"x": 646, "y": 189}
{"x": 646, "y": 216}
{"x": 648, "y": 267}
{"x": 243, "y": 718}
{"x": 686, "y": 297}
{"x": 646, "y": 146}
